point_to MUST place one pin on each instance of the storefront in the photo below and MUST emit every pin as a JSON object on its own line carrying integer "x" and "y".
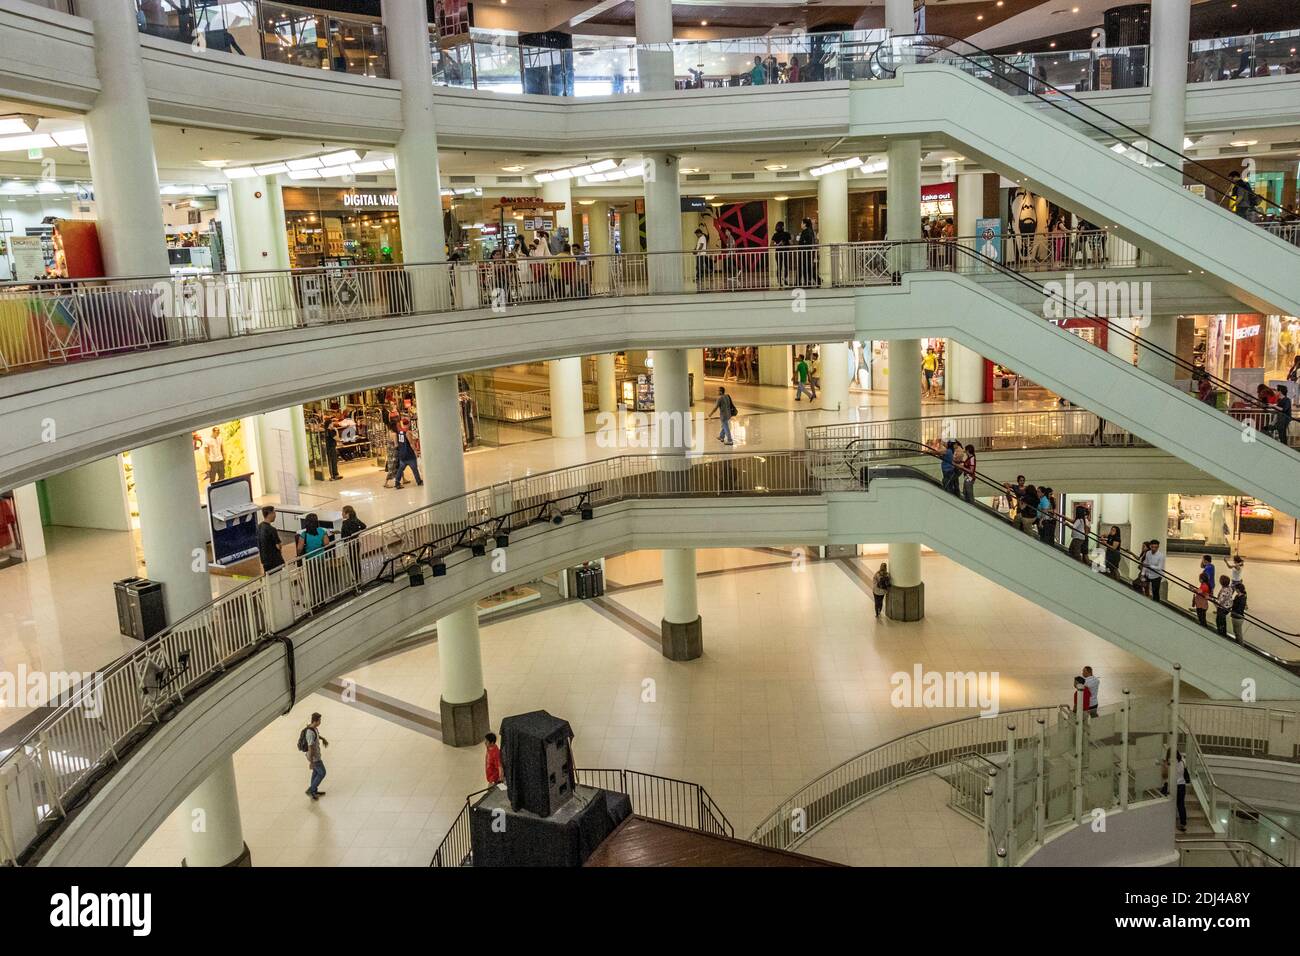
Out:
{"x": 333, "y": 227}
{"x": 39, "y": 215}
{"x": 1219, "y": 524}
{"x": 1246, "y": 349}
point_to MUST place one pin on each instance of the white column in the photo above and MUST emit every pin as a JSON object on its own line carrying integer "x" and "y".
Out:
{"x": 128, "y": 207}
{"x": 463, "y": 704}
{"x": 561, "y": 190}
{"x": 681, "y": 604}
{"x": 260, "y": 239}
{"x": 1118, "y": 343}
{"x": 460, "y": 660}
{"x": 1162, "y": 333}
{"x": 654, "y": 36}
{"x": 832, "y": 216}
{"x": 27, "y": 510}
{"x": 214, "y": 835}
{"x": 442, "y": 452}
{"x": 568, "y": 419}
{"x": 1170, "y": 25}
{"x": 671, "y": 400}
{"x": 598, "y": 243}
{"x": 606, "y": 382}
{"x": 964, "y": 380}
{"x": 1114, "y": 509}
{"x": 272, "y": 456}
{"x": 899, "y": 19}
{"x": 420, "y": 209}
{"x": 905, "y": 403}
{"x": 695, "y": 373}
{"x": 1148, "y": 520}
{"x": 171, "y": 523}
{"x": 663, "y": 226}
{"x": 835, "y": 376}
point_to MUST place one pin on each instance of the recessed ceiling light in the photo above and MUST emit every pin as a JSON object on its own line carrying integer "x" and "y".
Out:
{"x": 773, "y": 167}
{"x": 979, "y": 16}
{"x": 512, "y": 169}
{"x": 688, "y": 169}
{"x": 780, "y": 198}
{"x": 1074, "y": 9}
{"x": 999, "y": 3}
{"x": 710, "y": 198}
{"x": 704, "y": 23}
{"x": 1243, "y": 142}
{"x": 1052, "y": 44}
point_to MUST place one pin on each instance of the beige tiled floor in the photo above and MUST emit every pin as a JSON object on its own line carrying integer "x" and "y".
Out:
{"x": 794, "y": 679}
{"x": 910, "y": 825}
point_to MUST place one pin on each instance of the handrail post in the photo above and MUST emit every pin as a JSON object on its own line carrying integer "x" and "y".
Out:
{"x": 1040, "y": 785}
{"x": 1123, "y": 750}
{"x": 1078, "y": 759}
{"x": 1011, "y": 792}
{"x": 1173, "y": 732}
{"x": 988, "y": 808}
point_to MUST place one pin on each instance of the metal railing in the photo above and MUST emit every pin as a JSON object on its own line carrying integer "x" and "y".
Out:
{"x": 986, "y": 431}
{"x": 884, "y": 767}
{"x": 101, "y": 719}
{"x": 56, "y": 321}
{"x": 279, "y": 32}
{"x": 1210, "y": 851}
{"x": 1245, "y": 730}
{"x": 1008, "y": 76}
{"x": 665, "y": 799}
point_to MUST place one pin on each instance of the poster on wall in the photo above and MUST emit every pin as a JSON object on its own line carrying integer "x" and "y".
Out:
{"x": 452, "y": 18}
{"x": 746, "y": 222}
{"x": 28, "y": 259}
{"x": 918, "y": 15}
{"x": 988, "y": 233}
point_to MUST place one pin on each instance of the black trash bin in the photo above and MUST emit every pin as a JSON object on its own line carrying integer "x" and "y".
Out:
{"x": 140, "y": 610}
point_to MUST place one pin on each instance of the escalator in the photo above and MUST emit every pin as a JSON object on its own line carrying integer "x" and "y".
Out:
{"x": 903, "y": 477}
{"x": 1076, "y": 155}
{"x": 1233, "y": 446}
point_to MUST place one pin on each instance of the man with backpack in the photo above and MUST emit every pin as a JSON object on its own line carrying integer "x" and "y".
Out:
{"x": 310, "y": 742}
{"x": 726, "y": 411}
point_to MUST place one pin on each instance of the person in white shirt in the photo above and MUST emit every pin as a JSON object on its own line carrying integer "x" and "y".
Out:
{"x": 1153, "y": 568}
{"x": 215, "y": 453}
{"x": 1093, "y": 684}
{"x": 1236, "y": 567}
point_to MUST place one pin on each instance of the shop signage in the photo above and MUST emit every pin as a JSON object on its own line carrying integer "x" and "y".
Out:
{"x": 694, "y": 204}
{"x": 938, "y": 191}
{"x": 353, "y": 200}
{"x": 1245, "y": 331}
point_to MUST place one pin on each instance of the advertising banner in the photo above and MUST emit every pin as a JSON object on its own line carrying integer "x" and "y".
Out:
{"x": 988, "y": 241}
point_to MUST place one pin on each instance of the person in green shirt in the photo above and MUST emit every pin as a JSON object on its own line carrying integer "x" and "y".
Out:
{"x": 801, "y": 383}
{"x": 758, "y": 75}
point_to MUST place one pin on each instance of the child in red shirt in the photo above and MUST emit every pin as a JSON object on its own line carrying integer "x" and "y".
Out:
{"x": 492, "y": 762}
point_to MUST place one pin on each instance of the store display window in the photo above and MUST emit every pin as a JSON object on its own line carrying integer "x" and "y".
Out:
{"x": 341, "y": 227}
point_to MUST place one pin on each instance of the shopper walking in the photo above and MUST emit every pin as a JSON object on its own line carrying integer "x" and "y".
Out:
{"x": 948, "y": 467}
{"x": 1046, "y": 516}
{"x": 725, "y": 409}
{"x": 268, "y": 541}
{"x": 801, "y": 383}
{"x": 1238, "y": 612}
{"x": 214, "y": 452}
{"x": 1153, "y": 569}
{"x": 929, "y": 365}
{"x": 310, "y": 743}
{"x": 702, "y": 264}
{"x": 408, "y": 451}
{"x": 1093, "y": 684}
{"x": 1113, "y": 544}
{"x": 880, "y": 584}
{"x": 968, "y": 475}
{"x": 1223, "y": 605}
{"x": 1079, "y": 534}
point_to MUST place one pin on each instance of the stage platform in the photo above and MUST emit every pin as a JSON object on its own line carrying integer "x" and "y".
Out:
{"x": 641, "y": 842}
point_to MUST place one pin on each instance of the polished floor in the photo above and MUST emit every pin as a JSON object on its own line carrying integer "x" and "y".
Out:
{"x": 795, "y": 678}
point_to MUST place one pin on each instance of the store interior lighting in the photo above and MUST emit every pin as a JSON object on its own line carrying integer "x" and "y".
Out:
{"x": 345, "y": 163}
{"x": 615, "y": 175}
{"x": 835, "y": 167}
{"x": 574, "y": 172}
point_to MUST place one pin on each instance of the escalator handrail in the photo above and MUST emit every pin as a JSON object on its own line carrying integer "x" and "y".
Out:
{"x": 949, "y": 45}
{"x": 910, "y": 447}
{"x": 1113, "y": 327}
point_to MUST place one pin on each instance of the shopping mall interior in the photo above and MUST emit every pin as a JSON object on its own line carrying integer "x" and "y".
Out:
{"x": 750, "y": 435}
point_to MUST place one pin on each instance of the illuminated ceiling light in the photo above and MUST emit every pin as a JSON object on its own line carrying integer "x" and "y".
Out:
{"x": 329, "y": 172}
{"x": 999, "y": 3}
{"x": 571, "y": 172}
{"x": 686, "y": 170}
{"x": 835, "y": 167}
{"x": 311, "y": 162}
{"x": 704, "y": 23}
{"x": 1052, "y": 44}
{"x": 32, "y": 141}
{"x": 512, "y": 169}
{"x": 214, "y": 163}
{"x": 780, "y": 198}
{"x": 370, "y": 166}
{"x": 304, "y": 174}
{"x": 586, "y": 202}
{"x": 979, "y": 16}
{"x": 390, "y": 163}
{"x": 710, "y": 198}
{"x": 271, "y": 169}
{"x": 1243, "y": 142}
{"x": 341, "y": 159}
{"x": 14, "y": 125}
{"x": 45, "y": 186}
{"x": 614, "y": 175}
{"x": 774, "y": 167}
{"x": 240, "y": 172}
{"x": 1074, "y": 9}
{"x": 70, "y": 137}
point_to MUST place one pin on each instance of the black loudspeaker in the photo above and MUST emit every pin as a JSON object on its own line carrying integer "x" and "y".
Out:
{"x": 537, "y": 761}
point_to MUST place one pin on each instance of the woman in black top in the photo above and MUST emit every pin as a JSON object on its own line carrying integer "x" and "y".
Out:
{"x": 1027, "y": 513}
{"x": 351, "y": 523}
{"x": 1112, "y": 551}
